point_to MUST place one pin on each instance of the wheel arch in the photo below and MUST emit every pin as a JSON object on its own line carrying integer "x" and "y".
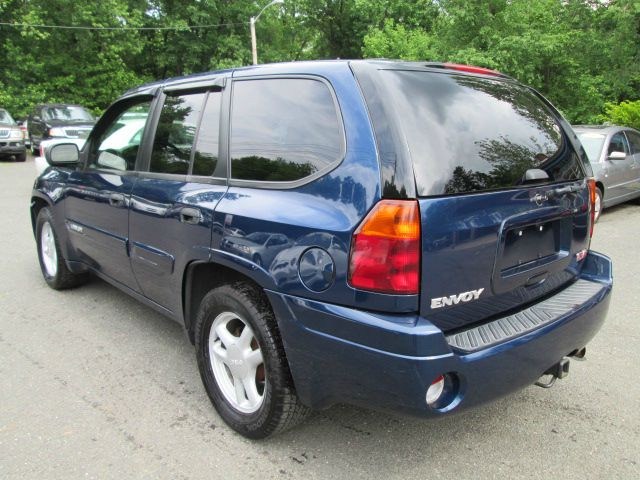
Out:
{"x": 38, "y": 202}
{"x": 200, "y": 277}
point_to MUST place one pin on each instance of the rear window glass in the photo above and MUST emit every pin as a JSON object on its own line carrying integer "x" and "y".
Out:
{"x": 470, "y": 134}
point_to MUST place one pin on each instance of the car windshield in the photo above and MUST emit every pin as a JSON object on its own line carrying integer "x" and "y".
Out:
{"x": 67, "y": 113}
{"x": 592, "y": 143}
{"x": 6, "y": 118}
{"x": 258, "y": 237}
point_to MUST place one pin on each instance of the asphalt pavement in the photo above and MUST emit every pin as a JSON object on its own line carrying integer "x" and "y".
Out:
{"x": 95, "y": 385}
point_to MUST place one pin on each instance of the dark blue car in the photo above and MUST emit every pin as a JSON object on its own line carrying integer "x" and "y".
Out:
{"x": 404, "y": 236}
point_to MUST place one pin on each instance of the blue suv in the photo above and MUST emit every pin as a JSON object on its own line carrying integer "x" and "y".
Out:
{"x": 404, "y": 236}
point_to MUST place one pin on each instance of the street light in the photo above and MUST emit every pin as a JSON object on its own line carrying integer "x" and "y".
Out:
{"x": 252, "y": 23}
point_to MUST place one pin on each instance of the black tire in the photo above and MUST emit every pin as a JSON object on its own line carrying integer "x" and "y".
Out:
{"x": 22, "y": 157}
{"x": 280, "y": 409}
{"x": 63, "y": 278}
{"x": 599, "y": 199}
{"x": 35, "y": 149}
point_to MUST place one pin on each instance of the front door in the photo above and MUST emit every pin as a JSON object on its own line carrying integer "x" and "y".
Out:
{"x": 98, "y": 198}
{"x": 172, "y": 204}
{"x": 620, "y": 183}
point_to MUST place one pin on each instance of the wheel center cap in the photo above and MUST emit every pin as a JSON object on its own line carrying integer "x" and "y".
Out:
{"x": 236, "y": 364}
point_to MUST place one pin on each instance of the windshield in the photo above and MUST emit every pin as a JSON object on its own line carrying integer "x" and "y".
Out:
{"x": 470, "y": 134}
{"x": 72, "y": 113}
{"x": 6, "y": 118}
{"x": 258, "y": 237}
{"x": 592, "y": 143}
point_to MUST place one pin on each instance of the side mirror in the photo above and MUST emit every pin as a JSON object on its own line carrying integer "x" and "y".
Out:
{"x": 62, "y": 154}
{"x": 617, "y": 156}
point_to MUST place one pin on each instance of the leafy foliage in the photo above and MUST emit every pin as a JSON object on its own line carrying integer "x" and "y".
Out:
{"x": 626, "y": 114}
{"x": 582, "y": 54}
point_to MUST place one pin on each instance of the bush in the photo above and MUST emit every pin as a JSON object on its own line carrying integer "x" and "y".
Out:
{"x": 626, "y": 114}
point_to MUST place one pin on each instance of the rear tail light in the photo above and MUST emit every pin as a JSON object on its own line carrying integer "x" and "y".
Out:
{"x": 385, "y": 249}
{"x": 41, "y": 149}
{"x": 592, "y": 203}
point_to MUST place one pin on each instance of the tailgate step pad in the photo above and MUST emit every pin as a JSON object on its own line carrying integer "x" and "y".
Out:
{"x": 527, "y": 320}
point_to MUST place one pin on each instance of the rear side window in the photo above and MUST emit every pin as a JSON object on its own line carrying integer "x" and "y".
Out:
{"x": 283, "y": 129}
{"x": 175, "y": 133}
{"x": 469, "y": 134}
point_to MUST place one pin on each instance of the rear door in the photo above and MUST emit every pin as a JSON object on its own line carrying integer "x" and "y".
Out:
{"x": 98, "y": 197}
{"x": 492, "y": 241}
{"x": 173, "y": 200}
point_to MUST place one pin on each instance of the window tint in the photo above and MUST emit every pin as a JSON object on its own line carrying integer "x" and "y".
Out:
{"x": 283, "y": 129}
{"x": 175, "y": 133}
{"x": 206, "y": 156}
{"x": 116, "y": 147}
{"x": 618, "y": 143}
{"x": 469, "y": 134}
{"x": 634, "y": 140}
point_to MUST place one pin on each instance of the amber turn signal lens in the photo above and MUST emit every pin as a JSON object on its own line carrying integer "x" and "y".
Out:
{"x": 385, "y": 249}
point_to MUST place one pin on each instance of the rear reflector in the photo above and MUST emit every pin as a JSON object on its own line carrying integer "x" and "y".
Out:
{"x": 472, "y": 69}
{"x": 592, "y": 203}
{"x": 385, "y": 249}
{"x": 435, "y": 390}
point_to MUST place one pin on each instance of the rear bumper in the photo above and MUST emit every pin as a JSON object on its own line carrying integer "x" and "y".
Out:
{"x": 342, "y": 355}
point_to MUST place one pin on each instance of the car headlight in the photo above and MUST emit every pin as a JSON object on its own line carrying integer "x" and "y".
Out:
{"x": 15, "y": 134}
{"x": 57, "y": 132}
{"x": 243, "y": 249}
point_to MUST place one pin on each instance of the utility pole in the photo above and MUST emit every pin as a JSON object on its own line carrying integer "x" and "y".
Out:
{"x": 254, "y": 47}
{"x": 252, "y": 24}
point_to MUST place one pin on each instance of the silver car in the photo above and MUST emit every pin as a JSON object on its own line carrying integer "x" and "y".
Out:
{"x": 614, "y": 153}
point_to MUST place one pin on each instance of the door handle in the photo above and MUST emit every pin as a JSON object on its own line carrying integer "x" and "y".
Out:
{"x": 116, "y": 200}
{"x": 190, "y": 215}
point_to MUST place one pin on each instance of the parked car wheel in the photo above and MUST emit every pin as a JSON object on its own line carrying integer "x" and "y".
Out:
{"x": 34, "y": 149}
{"x": 22, "y": 157}
{"x": 242, "y": 362}
{"x": 54, "y": 269}
{"x": 598, "y": 205}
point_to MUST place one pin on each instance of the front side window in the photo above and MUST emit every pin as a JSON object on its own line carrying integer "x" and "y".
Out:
{"x": 175, "y": 133}
{"x": 116, "y": 146}
{"x": 618, "y": 143}
{"x": 283, "y": 129}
